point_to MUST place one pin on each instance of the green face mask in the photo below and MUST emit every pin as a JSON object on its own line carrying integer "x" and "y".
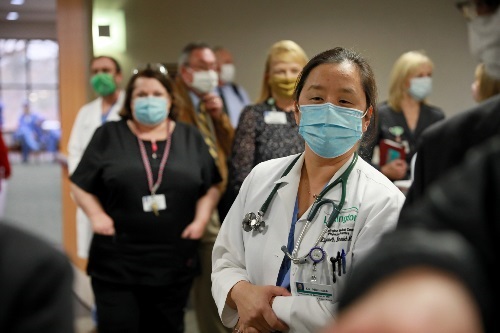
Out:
{"x": 103, "y": 84}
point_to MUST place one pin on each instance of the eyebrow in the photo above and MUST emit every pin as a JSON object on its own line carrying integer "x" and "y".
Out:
{"x": 315, "y": 87}
{"x": 347, "y": 90}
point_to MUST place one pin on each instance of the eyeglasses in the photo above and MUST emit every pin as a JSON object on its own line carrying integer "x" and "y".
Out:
{"x": 468, "y": 9}
{"x": 152, "y": 66}
{"x": 202, "y": 67}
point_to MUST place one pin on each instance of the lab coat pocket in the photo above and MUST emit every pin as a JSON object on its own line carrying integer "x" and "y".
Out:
{"x": 339, "y": 263}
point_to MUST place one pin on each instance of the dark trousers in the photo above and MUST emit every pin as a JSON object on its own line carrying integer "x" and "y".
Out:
{"x": 140, "y": 309}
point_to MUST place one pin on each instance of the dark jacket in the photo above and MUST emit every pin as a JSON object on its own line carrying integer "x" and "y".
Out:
{"x": 443, "y": 145}
{"x": 455, "y": 227}
{"x": 389, "y": 118}
{"x": 36, "y": 283}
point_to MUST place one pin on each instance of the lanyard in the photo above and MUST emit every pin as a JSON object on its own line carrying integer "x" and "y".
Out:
{"x": 147, "y": 165}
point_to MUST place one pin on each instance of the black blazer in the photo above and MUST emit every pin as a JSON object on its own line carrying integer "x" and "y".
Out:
{"x": 35, "y": 285}
{"x": 443, "y": 145}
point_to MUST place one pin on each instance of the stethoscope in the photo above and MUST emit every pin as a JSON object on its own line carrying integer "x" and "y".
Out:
{"x": 256, "y": 222}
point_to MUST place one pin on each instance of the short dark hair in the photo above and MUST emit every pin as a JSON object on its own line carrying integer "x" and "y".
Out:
{"x": 126, "y": 112}
{"x": 117, "y": 65}
{"x": 218, "y": 48}
{"x": 190, "y": 48}
{"x": 336, "y": 56}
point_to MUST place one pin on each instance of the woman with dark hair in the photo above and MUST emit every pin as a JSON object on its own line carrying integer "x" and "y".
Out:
{"x": 306, "y": 218}
{"x": 148, "y": 185}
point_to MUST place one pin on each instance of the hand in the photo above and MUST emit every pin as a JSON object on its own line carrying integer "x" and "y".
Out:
{"x": 102, "y": 224}
{"x": 417, "y": 300}
{"x": 213, "y": 105}
{"x": 194, "y": 230}
{"x": 254, "y": 307}
{"x": 395, "y": 170}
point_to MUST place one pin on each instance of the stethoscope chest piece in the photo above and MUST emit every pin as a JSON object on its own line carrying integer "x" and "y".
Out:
{"x": 253, "y": 221}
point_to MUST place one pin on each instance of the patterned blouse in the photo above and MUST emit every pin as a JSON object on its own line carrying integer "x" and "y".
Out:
{"x": 264, "y": 132}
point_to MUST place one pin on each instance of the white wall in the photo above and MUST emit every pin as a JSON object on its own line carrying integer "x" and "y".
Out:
{"x": 380, "y": 30}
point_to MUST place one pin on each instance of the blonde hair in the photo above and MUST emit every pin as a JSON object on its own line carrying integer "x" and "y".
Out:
{"x": 284, "y": 50}
{"x": 488, "y": 86}
{"x": 406, "y": 66}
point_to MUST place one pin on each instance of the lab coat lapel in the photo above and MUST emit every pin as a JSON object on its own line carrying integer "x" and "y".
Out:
{"x": 287, "y": 193}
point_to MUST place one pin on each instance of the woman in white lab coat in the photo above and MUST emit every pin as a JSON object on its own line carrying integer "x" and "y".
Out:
{"x": 257, "y": 286}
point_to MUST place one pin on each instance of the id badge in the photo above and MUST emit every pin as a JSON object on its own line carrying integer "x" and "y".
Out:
{"x": 275, "y": 118}
{"x": 149, "y": 200}
{"x": 406, "y": 144}
{"x": 323, "y": 292}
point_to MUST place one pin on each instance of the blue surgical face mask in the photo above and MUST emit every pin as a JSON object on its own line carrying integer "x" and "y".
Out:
{"x": 150, "y": 110}
{"x": 420, "y": 87}
{"x": 330, "y": 130}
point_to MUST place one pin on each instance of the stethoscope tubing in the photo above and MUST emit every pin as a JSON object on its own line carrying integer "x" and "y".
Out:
{"x": 255, "y": 222}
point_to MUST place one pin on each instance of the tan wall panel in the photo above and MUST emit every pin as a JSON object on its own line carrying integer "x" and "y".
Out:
{"x": 381, "y": 30}
{"x": 73, "y": 30}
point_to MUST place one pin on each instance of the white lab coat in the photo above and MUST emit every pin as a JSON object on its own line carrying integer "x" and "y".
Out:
{"x": 371, "y": 209}
{"x": 87, "y": 121}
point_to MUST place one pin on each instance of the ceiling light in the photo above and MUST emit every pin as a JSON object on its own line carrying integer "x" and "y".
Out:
{"x": 17, "y": 2}
{"x": 12, "y": 16}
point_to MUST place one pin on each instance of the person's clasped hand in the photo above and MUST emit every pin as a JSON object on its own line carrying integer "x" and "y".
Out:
{"x": 102, "y": 224}
{"x": 194, "y": 230}
{"x": 254, "y": 305}
{"x": 213, "y": 105}
{"x": 395, "y": 170}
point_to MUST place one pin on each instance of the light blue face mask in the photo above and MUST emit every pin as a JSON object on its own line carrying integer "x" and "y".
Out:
{"x": 420, "y": 87}
{"x": 150, "y": 110}
{"x": 330, "y": 130}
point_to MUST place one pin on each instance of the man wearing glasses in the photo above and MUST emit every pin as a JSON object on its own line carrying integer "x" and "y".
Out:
{"x": 196, "y": 82}
{"x": 438, "y": 272}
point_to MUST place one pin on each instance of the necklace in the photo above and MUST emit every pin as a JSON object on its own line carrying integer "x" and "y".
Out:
{"x": 313, "y": 195}
{"x": 142, "y": 136}
{"x": 154, "y": 148}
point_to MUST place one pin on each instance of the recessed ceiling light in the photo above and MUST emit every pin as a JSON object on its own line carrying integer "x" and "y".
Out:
{"x": 17, "y": 2}
{"x": 12, "y": 16}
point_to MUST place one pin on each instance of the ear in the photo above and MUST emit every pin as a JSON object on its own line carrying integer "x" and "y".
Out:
{"x": 296, "y": 113}
{"x": 367, "y": 118}
{"x": 118, "y": 78}
{"x": 407, "y": 83}
{"x": 266, "y": 77}
{"x": 186, "y": 76}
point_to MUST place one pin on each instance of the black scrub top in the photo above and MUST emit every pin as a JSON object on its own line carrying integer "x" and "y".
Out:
{"x": 389, "y": 118}
{"x": 146, "y": 249}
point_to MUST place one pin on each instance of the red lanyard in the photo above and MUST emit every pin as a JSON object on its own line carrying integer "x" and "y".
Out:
{"x": 147, "y": 165}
